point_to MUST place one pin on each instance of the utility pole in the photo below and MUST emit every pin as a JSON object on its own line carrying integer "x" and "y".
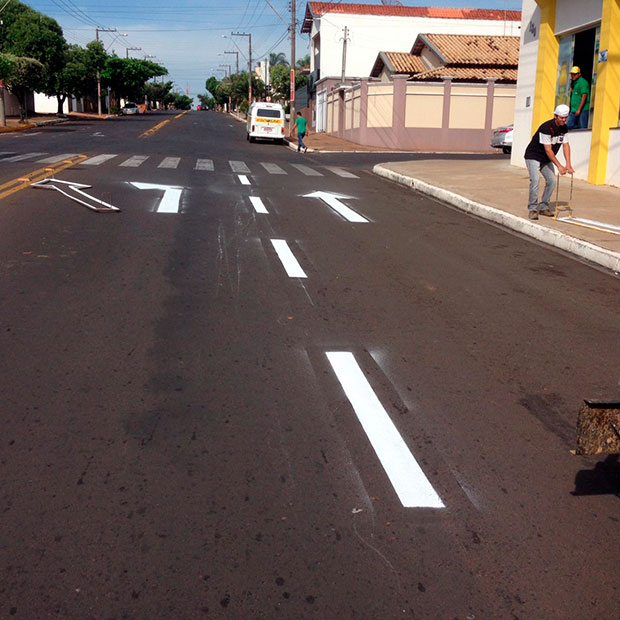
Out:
{"x": 127, "y": 49}
{"x": 293, "y": 31}
{"x": 245, "y": 34}
{"x": 97, "y": 31}
{"x": 237, "y": 55}
{"x": 344, "y": 53}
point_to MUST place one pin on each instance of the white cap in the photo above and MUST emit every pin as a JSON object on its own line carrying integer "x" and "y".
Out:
{"x": 562, "y": 110}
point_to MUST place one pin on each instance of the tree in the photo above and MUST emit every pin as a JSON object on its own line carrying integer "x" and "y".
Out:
{"x": 127, "y": 76}
{"x": 302, "y": 62}
{"x": 182, "y": 102}
{"x": 207, "y": 101}
{"x": 159, "y": 92}
{"x": 27, "y": 75}
{"x": 213, "y": 86}
{"x": 8, "y": 66}
{"x": 277, "y": 59}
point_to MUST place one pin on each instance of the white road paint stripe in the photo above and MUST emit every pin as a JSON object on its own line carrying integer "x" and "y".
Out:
{"x": 23, "y": 157}
{"x": 342, "y": 173}
{"x": 98, "y": 160}
{"x": 134, "y": 161}
{"x": 239, "y": 167}
{"x": 204, "y": 164}
{"x": 169, "y": 162}
{"x": 272, "y": 168}
{"x": 56, "y": 158}
{"x": 407, "y": 478}
{"x": 171, "y": 200}
{"x": 244, "y": 180}
{"x": 258, "y": 205}
{"x": 292, "y": 267}
{"x": 309, "y": 172}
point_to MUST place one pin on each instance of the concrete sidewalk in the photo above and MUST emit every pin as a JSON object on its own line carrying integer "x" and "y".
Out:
{"x": 496, "y": 191}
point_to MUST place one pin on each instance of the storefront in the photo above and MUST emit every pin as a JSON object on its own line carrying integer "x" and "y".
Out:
{"x": 556, "y": 36}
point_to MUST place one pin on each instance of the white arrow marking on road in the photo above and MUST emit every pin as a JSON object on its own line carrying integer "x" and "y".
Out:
{"x": 333, "y": 201}
{"x": 53, "y": 184}
{"x": 407, "y": 478}
{"x": 171, "y": 199}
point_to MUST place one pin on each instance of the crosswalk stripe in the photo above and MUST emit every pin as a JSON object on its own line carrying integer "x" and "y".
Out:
{"x": 134, "y": 161}
{"x": 239, "y": 167}
{"x": 244, "y": 180}
{"x": 309, "y": 172}
{"x": 169, "y": 162}
{"x": 258, "y": 204}
{"x": 342, "y": 173}
{"x": 98, "y": 160}
{"x": 204, "y": 164}
{"x": 56, "y": 158}
{"x": 272, "y": 168}
{"x": 23, "y": 157}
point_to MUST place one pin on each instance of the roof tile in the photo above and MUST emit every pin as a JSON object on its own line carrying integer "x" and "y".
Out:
{"x": 464, "y": 49}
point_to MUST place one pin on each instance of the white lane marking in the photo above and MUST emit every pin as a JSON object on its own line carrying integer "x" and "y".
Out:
{"x": 332, "y": 200}
{"x": 592, "y": 224}
{"x": 309, "y": 172}
{"x": 239, "y": 167}
{"x": 272, "y": 168}
{"x": 258, "y": 205}
{"x": 134, "y": 161}
{"x": 244, "y": 180}
{"x": 407, "y": 478}
{"x": 23, "y": 157}
{"x": 56, "y": 158}
{"x": 204, "y": 164}
{"x": 171, "y": 200}
{"x": 292, "y": 267}
{"x": 169, "y": 162}
{"x": 97, "y": 160}
{"x": 342, "y": 173}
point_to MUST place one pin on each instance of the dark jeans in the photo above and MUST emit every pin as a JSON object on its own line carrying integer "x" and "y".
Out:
{"x": 300, "y": 141}
{"x": 578, "y": 122}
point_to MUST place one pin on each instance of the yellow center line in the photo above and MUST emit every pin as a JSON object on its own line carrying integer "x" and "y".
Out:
{"x": 10, "y": 187}
{"x": 152, "y": 130}
{"x": 182, "y": 114}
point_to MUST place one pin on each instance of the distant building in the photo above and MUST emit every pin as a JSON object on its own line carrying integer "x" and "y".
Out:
{"x": 346, "y": 38}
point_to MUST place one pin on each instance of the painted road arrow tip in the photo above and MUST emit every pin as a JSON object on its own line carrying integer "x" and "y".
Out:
{"x": 321, "y": 194}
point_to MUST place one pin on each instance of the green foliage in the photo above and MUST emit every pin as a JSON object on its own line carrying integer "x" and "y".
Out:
{"x": 28, "y": 73}
{"x": 207, "y": 101}
{"x": 277, "y": 59}
{"x": 127, "y": 76}
{"x": 159, "y": 92}
{"x": 182, "y": 102}
{"x": 8, "y": 65}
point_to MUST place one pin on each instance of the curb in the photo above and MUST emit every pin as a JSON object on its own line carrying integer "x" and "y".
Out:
{"x": 583, "y": 249}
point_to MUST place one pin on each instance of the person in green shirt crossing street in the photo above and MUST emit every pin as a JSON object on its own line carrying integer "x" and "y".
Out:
{"x": 302, "y": 125}
{"x": 579, "y": 101}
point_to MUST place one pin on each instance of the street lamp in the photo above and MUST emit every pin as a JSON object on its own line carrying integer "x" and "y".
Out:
{"x": 237, "y": 55}
{"x": 130, "y": 48}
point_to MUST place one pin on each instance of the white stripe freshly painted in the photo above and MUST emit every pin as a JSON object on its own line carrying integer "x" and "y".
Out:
{"x": 97, "y": 160}
{"x": 407, "y": 478}
{"x": 171, "y": 200}
{"x": 169, "y": 162}
{"x": 134, "y": 161}
{"x": 244, "y": 180}
{"x": 239, "y": 167}
{"x": 272, "y": 168}
{"x": 309, "y": 172}
{"x": 204, "y": 164}
{"x": 292, "y": 267}
{"x": 592, "y": 224}
{"x": 258, "y": 205}
{"x": 342, "y": 173}
{"x": 24, "y": 156}
{"x": 56, "y": 158}
{"x": 333, "y": 201}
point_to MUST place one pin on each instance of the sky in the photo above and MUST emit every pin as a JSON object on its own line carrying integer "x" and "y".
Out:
{"x": 191, "y": 37}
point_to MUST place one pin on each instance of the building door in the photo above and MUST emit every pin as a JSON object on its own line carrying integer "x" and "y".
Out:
{"x": 321, "y": 110}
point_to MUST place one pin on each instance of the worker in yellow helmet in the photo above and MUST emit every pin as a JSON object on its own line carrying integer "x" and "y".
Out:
{"x": 579, "y": 101}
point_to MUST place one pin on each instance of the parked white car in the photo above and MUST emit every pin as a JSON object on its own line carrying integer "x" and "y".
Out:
{"x": 129, "y": 108}
{"x": 502, "y": 138}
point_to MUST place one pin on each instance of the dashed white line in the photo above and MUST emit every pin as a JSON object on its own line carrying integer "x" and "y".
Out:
{"x": 409, "y": 481}
{"x": 292, "y": 267}
{"x": 258, "y": 205}
{"x": 244, "y": 180}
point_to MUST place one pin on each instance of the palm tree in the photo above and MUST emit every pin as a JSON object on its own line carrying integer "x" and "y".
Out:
{"x": 303, "y": 62}
{"x": 277, "y": 59}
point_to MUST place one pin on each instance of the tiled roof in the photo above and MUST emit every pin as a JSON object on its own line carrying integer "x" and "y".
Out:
{"x": 398, "y": 62}
{"x": 320, "y": 8}
{"x": 466, "y": 49}
{"x": 469, "y": 74}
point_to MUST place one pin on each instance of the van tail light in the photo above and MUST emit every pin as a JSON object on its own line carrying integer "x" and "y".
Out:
{"x": 282, "y": 130}
{"x": 504, "y": 130}
{"x": 253, "y": 127}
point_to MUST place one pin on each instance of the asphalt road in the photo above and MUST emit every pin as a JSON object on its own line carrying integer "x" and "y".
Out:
{"x": 221, "y": 407}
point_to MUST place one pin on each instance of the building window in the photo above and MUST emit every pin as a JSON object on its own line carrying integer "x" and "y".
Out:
{"x": 578, "y": 49}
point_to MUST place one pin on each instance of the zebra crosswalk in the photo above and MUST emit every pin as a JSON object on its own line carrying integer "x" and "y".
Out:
{"x": 172, "y": 163}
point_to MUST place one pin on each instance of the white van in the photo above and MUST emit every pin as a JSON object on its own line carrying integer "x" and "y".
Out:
{"x": 266, "y": 121}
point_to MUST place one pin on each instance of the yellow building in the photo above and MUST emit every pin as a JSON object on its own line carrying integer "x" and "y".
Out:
{"x": 556, "y": 35}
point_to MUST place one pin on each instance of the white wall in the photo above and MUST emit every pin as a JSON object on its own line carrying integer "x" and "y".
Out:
{"x": 580, "y": 143}
{"x": 572, "y": 15}
{"x": 371, "y": 34}
{"x": 526, "y": 82}
{"x": 48, "y": 105}
{"x": 613, "y": 158}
